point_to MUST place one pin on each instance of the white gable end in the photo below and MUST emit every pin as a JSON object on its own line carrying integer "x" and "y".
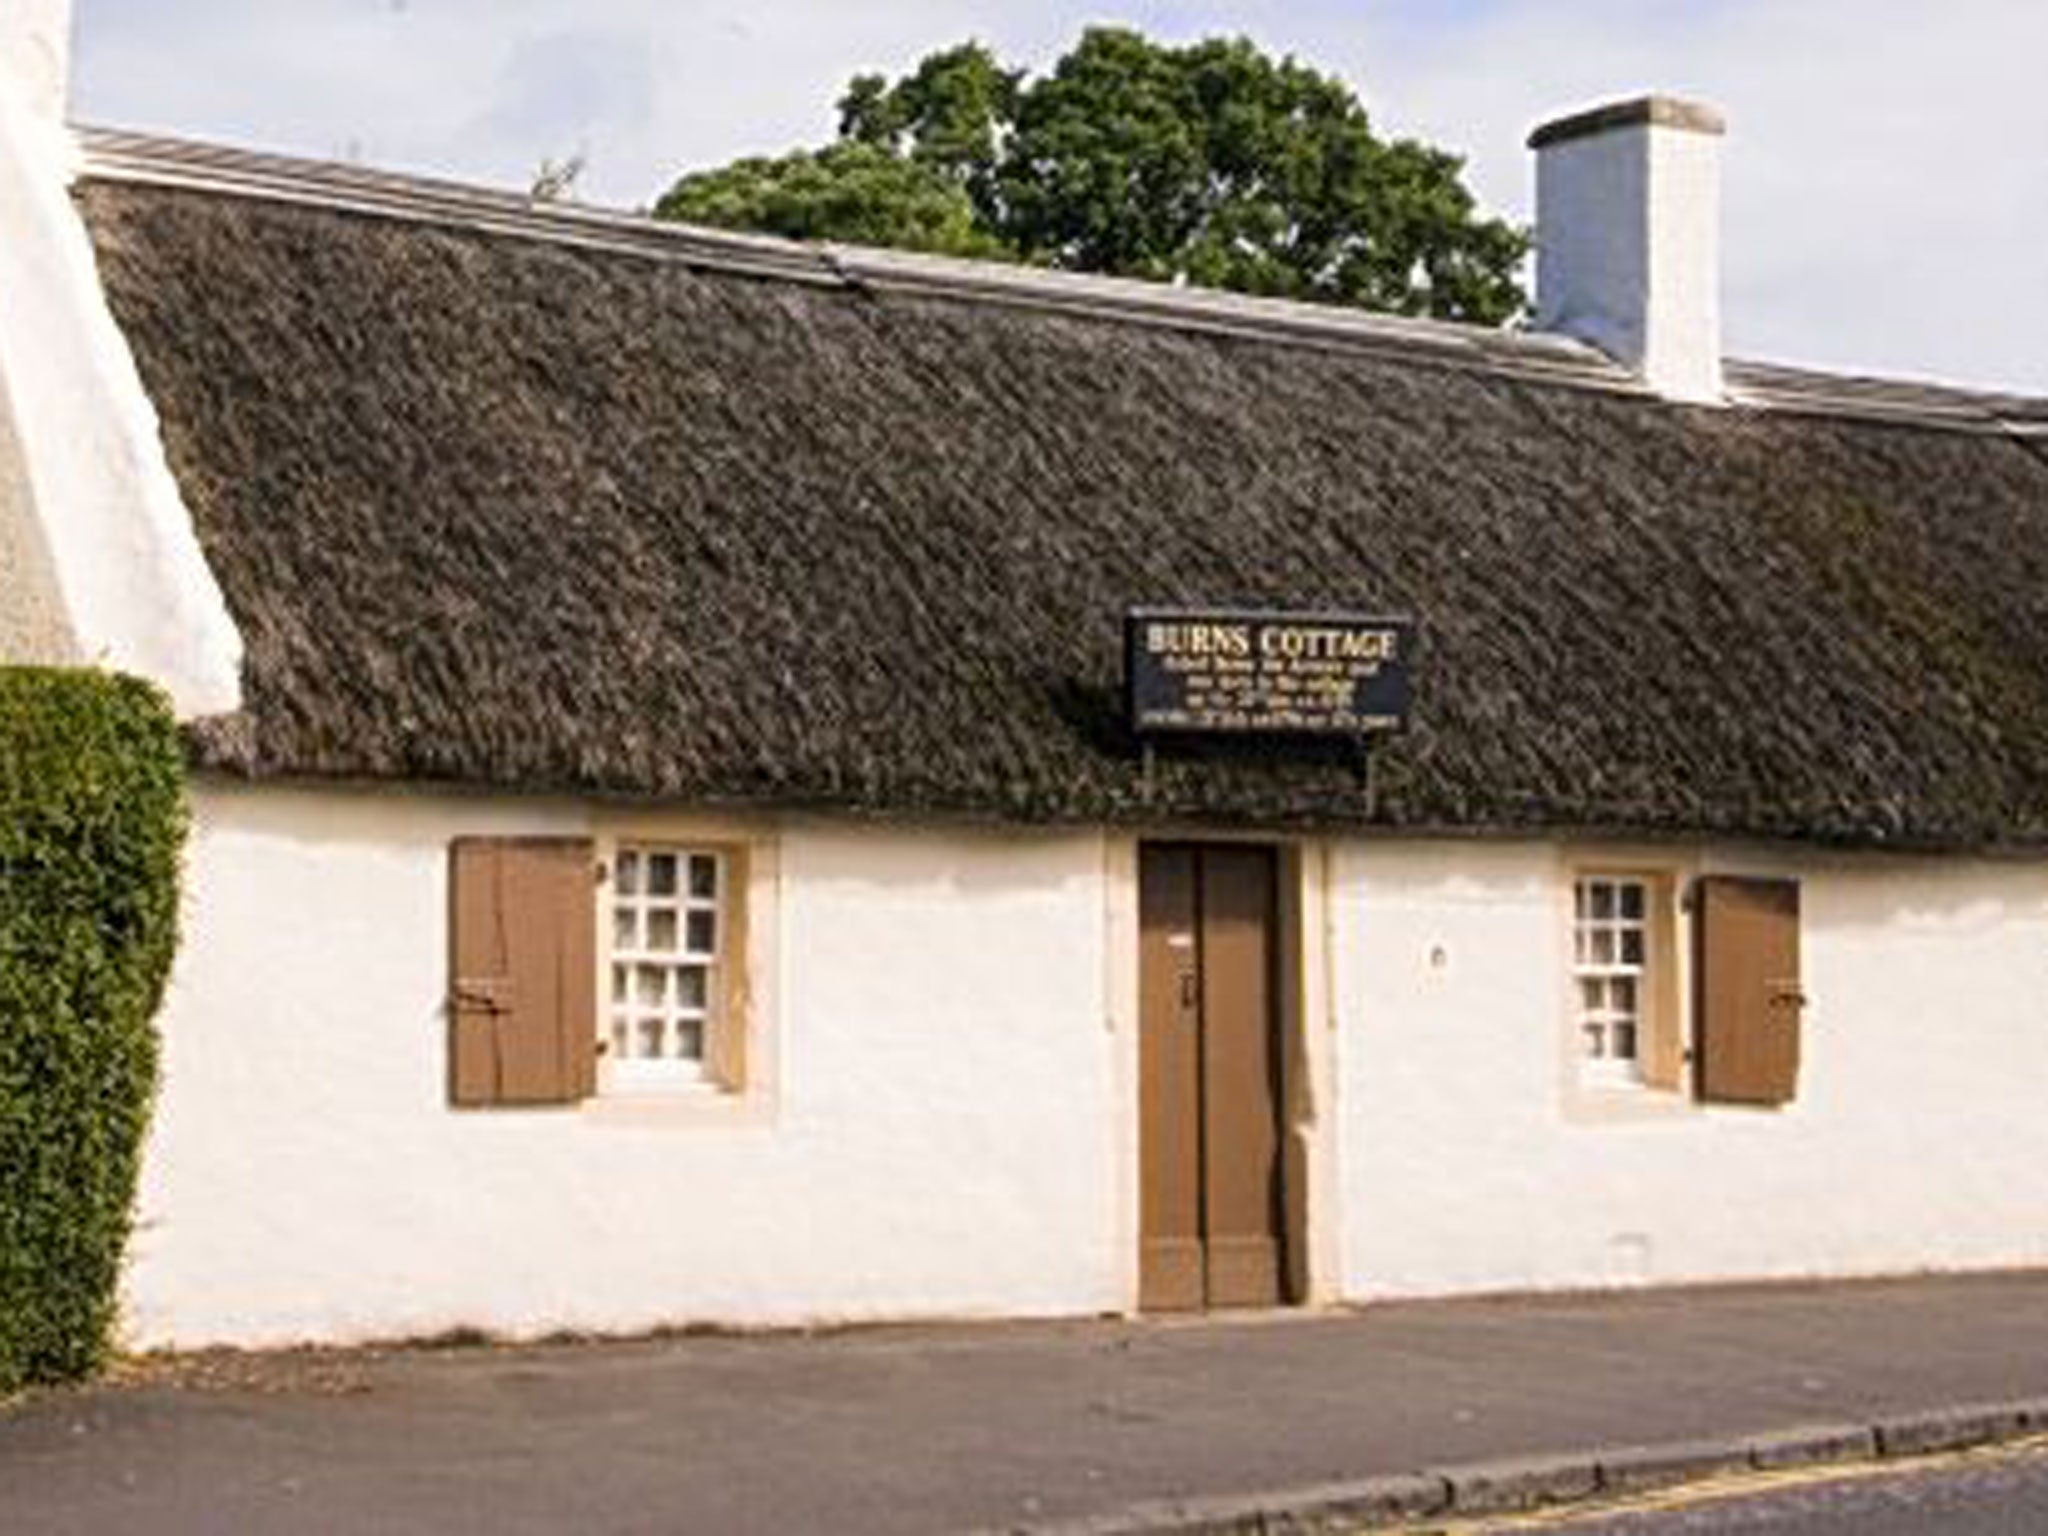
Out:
{"x": 102, "y": 562}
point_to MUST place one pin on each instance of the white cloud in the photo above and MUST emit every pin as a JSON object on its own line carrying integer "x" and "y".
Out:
{"x": 1887, "y": 162}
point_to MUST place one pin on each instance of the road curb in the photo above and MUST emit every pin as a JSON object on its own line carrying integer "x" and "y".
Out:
{"x": 1806, "y": 1445}
{"x": 1527, "y": 1482}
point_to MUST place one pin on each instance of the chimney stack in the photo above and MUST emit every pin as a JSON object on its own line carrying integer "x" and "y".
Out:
{"x": 35, "y": 55}
{"x": 1628, "y": 243}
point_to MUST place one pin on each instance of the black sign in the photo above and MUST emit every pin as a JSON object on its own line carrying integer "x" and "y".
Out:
{"x": 1309, "y": 674}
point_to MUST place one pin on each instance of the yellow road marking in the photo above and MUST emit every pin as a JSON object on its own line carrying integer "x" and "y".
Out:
{"x": 1720, "y": 1489}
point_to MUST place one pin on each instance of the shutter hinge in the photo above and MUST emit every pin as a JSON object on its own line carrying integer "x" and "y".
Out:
{"x": 492, "y": 995}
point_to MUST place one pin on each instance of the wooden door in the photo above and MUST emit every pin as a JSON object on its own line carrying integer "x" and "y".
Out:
{"x": 1211, "y": 1207}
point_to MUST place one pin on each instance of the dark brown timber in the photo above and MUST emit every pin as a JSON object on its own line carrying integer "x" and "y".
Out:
{"x": 1240, "y": 1079}
{"x": 1170, "y": 1261}
{"x": 522, "y": 1007}
{"x": 1211, "y": 1210}
{"x": 1750, "y": 993}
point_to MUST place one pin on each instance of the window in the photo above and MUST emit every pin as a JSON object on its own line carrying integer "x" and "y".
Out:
{"x": 666, "y": 983}
{"x": 579, "y": 967}
{"x": 1610, "y": 953}
{"x": 1730, "y": 1029}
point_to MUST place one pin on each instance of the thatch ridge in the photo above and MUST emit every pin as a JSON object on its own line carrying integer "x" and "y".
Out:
{"x": 499, "y": 511}
{"x": 232, "y": 171}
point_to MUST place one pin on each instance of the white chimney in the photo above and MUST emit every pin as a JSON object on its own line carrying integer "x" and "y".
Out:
{"x": 1628, "y": 242}
{"x": 35, "y": 54}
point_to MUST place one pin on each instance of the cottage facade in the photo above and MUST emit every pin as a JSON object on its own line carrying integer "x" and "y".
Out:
{"x": 670, "y": 847}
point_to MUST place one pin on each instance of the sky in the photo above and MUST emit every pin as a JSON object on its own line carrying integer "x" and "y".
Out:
{"x": 1885, "y": 173}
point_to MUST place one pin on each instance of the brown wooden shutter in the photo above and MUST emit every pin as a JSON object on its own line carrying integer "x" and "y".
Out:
{"x": 1749, "y": 995}
{"x": 1663, "y": 1042}
{"x": 522, "y": 1008}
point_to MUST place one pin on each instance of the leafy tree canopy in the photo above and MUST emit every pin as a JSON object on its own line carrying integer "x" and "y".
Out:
{"x": 850, "y": 191}
{"x": 1211, "y": 164}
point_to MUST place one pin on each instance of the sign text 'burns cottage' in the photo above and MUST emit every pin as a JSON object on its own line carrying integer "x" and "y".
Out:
{"x": 1284, "y": 674}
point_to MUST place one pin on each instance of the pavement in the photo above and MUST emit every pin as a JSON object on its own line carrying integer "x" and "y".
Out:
{"x": 1283, "y": 1421}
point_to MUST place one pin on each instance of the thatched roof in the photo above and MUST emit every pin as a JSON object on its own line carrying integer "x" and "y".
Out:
{"x": 573, "y": 502}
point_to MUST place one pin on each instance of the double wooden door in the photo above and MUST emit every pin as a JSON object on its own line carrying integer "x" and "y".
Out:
{"x": 1212, "y": 1208}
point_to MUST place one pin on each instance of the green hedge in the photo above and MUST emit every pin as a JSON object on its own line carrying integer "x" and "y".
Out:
{"x": 92, "y": 817}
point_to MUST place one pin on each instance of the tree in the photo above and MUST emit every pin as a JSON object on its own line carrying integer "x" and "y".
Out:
{"x": 1210, "y": 164}
{"x": 851, "y": 191}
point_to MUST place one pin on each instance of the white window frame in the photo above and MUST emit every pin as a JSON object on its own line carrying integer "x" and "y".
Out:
{"x": 624, "y": 891}
{"x": 1603, "y": 958}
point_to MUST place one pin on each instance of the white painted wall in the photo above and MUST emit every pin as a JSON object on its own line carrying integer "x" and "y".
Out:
{"x": 112, "y": 572}
{"x": 35, "y": 40}
{"x": 1917, "y": 1141}
{"x": 944, "y": 1117}
{"x": 936, "y": 1136}
{"x": 35, "y": 53}
{"x": 33, "y": 626}
{"x": 1628, "y": 249}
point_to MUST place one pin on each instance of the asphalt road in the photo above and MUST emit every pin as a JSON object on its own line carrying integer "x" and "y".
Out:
{"x": 1987, "y": 1493}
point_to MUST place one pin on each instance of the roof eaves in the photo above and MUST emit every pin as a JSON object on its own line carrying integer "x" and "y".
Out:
{"x": 1804, "y": 391}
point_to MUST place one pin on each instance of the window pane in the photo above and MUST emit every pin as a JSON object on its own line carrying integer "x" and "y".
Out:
{"x": 627, "y": 874}
{"x": 703, "y": 875}
{"x": 653, "y": 983}
{"x": 1625, "y": 1042}
{"x": 661, "y": 932}
{"x": 661, "y": 874}
{"x": 689, "y": 1040}
{"x": 1579, "y": 899}
{"x": 703, "y": 932}
{"x": 1603, "y": 946}
{"x": 624, "y": 932}
{"x": 1603, "y": 899}
{"x": 618, "y": 983}
{"x": 691, "y": 986}
{"x": 1621, "y": 993}
{"x": 1596, "y": 1040}
{"x": 649, "y": 1039}
{"x": 1632, "y": 946}
{"x": 1632, "y": 900}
